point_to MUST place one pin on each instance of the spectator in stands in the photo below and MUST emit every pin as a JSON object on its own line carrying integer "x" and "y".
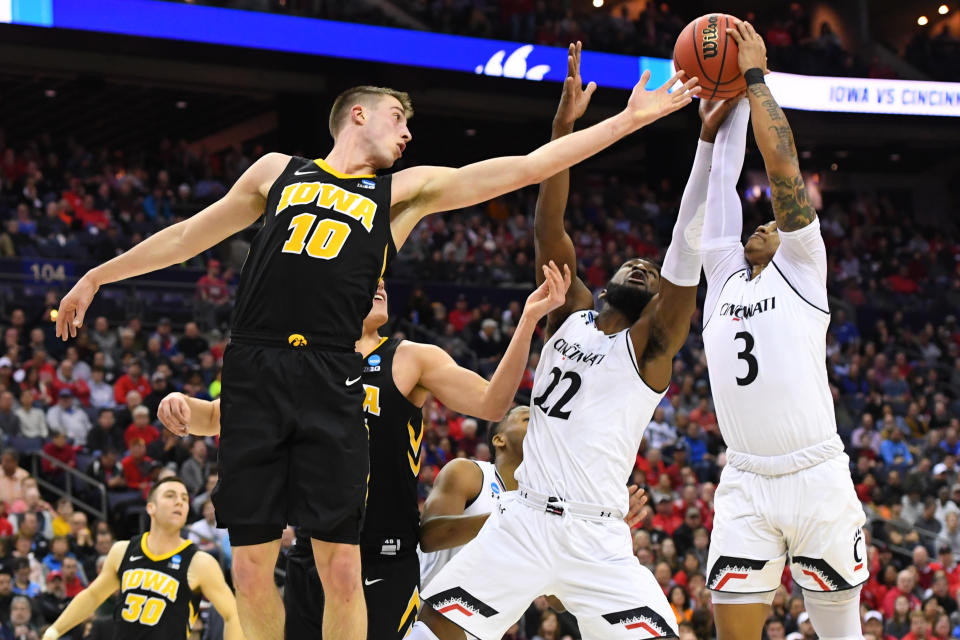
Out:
{"x": 12, "y": 476}
{"x": 32, "y": 420}
{"x": 919, "y": 627}
{"x": 197, "y": 503}
{"x": 70, "y": 572}
{"x": 23, "y": 583}
{"x": 124, "y": 412}
{"x": 59, "y": 449}
{"x": 192, "y": 344}
{"x": 140, "y": 428}
{"x": 21, "y": 618}
{"x": 136, "y": 466}
{"x": 106, "y": 434}
{"x": 158, "y": 390}
{"x": 212, "y": 294}
{"x": 67, "y": 418}
{"x": 208, "y": 537}
{"x": 895, "y": 452}
{"x": 164, "y": 333}
{"x": 873, "y": 624}
{"x": 101, "y": 394}
{"x": 195, "y": 469}
{"x": 59, "y": 548}
{"x": 6, "y": 592}
{"x": 132, "y": 380}
{"x": 51, "y": 603}
{"x": 9, "y": 422}
{"x": 949, "y": 536}
{"x": 66, "y": 379}
{"x": 906, "y": 583}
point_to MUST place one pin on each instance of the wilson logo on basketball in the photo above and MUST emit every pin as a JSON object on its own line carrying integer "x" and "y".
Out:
{"x": 711, "y": 37}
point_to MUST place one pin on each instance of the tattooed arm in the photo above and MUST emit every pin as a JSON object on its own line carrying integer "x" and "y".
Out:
{"x": 791, "y": 206}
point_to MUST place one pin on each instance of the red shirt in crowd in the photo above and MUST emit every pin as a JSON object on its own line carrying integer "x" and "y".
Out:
{"x": 460, "y": 319}
{"x": 125, "y": 384}
{"x": 67, "y": 454}
{"x": 214, "y": 289}
{"x": 652, "y": 473}
{"x": 148, "y": 432}
{"x": 667, "y": 524}
{"x": 891, "y": 598}
{"x": 136, "y": 472}
{"x": 78, "y": 387}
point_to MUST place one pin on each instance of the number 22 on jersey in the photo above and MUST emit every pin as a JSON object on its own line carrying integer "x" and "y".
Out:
{"x": 557, "y": 410}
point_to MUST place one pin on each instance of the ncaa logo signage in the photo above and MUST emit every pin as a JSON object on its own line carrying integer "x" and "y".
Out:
{"x": 495, "y": 488}
{"x": 373, "y": 360}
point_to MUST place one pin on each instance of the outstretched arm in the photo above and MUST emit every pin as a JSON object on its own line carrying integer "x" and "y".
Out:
{"x": 791, "y": 206}
{"x": 237, "y": 210}
{"x": 420, "y": 191}
{"x": 184, "y": 415}
{"x": 550, "y": 239}
{"x": 87, "y": 601}
{"x": 658, "y": 335}
{"x": 466, "y": 392}
{"x": 443, "y": 525}
{"x": 802, "y": 256}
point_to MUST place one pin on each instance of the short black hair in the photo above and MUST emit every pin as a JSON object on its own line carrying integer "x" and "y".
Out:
{"x": 156, "y": 487}
{"x": 497, "y": 427}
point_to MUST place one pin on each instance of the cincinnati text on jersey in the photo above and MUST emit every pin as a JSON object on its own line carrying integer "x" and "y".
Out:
{"x": 329, "y": 196}
{"x": 748, "y": 310}
{"x": 575, "y": 353}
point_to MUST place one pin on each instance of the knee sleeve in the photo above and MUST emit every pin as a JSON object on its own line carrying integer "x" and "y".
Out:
{"x": 835, "y": 615}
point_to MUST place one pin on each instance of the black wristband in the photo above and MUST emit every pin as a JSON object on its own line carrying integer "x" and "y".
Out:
{"x": 754, "y": 76}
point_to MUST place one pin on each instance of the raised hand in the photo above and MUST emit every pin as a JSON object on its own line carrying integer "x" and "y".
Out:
{"x": 753, "y": 52}
{"x": 549, "y": 295}
{"x": 713, "y": 113}
{"x": 648, "y": 106}
{"x": 73, "y": 307}
{"x": 174, "y": 413}
{"x": 574, "y": 98}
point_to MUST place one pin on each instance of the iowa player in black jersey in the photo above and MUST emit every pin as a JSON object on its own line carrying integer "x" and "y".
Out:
{"x": 397, "y": 377}
{"x": 161, "y": 578}
{"x": 291, "y": 405}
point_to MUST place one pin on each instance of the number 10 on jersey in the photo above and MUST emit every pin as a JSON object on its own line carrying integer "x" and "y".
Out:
{"x": 325, "y": 242}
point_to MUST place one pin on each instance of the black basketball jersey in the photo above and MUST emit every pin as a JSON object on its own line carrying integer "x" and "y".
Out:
{"x": 392, "y": 521}
{"x": 313, "y": 267}
{"x": 156, "y": 602}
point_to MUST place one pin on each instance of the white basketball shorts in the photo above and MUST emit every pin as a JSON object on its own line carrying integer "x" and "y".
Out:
{"x": 524, "y": 553}
{"x": 812, "y": 517}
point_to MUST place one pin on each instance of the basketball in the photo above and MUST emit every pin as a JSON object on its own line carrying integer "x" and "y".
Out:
{"x": 706, "y": 51}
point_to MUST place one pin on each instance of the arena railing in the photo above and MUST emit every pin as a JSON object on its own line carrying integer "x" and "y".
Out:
{"x": 71, "y": 477}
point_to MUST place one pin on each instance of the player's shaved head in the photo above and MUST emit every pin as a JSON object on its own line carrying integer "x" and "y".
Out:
{"x": 367, "y": 96}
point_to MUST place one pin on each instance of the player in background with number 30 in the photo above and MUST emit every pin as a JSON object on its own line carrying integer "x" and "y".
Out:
{"x": 160, "y": 577}
{"x": 765, "y": 324}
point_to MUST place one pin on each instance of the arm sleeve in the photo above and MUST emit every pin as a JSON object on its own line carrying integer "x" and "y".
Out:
{"x": 802, "y": 260}
{"x": 682, "y": 263}
{"x": 723, "y": 221}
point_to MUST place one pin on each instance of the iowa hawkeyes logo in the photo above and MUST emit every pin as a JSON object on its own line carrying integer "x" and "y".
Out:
{"x": 296, "y": 340}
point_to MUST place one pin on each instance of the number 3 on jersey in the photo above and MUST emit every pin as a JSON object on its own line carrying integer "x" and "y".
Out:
{"x": 747, "y": 356}
{"x": 326, "y": 241}
{"x": 557, "y": 410}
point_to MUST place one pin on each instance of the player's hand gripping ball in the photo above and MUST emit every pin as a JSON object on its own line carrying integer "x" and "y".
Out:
{"x": 705, "y": 50}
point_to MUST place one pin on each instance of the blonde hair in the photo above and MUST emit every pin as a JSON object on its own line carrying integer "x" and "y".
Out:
{"x": 345, "y": 101}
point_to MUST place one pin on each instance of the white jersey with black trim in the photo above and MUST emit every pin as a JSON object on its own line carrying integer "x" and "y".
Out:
{"x": 765, "y": 340}
{"x": 485, "y": 502}
{"x": 589, "y": 410}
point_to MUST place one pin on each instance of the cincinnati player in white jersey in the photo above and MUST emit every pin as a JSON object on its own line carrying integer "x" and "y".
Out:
{"x": 601, "y": 374}
{"x": 786, "y": 491}
{"x": 466, "y": 493}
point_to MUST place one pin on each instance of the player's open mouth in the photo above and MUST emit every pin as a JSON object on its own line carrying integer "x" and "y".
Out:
{"x": 637, "y": 277}
{"x": 379, "y": 297}
{"x": 401, "y": 147}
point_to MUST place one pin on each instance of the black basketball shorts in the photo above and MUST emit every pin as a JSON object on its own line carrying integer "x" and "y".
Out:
{"x": 391, "y": 587}
{"x": 293, "y": 444}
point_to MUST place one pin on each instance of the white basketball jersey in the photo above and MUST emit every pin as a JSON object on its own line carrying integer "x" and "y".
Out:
{"x": 589, "y": 409}
{"x": 766, "y": 351}
{"x": 486, "y": 502}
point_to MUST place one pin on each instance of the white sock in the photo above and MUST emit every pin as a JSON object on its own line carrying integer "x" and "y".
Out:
{"x": 420, "y": 631}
